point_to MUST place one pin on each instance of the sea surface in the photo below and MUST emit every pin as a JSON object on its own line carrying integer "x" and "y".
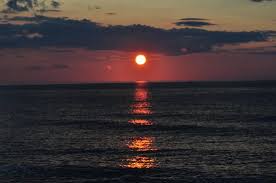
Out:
{"x": 139, "y": 132}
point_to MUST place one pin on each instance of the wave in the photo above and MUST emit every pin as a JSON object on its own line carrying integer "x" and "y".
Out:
{"x": 23, "y": 173}
{"x": 128, "y": 127}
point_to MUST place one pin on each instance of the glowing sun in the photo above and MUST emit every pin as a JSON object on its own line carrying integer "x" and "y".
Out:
{"x": 140, "y": 59}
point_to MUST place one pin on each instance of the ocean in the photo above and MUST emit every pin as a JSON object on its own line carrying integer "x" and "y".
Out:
{"x": 139, "y": 132}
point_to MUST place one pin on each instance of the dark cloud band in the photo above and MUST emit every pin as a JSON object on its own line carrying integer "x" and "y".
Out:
{"x": 191, "y": 23}
{"x": 64, "y": 33}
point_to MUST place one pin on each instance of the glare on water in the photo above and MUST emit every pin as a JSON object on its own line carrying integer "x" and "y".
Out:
{"x": 141, "y": 108}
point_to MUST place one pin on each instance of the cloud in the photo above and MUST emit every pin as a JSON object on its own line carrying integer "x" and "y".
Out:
{"x": 111, "y": 13}
{"x": 35, "y": 68}
{"x": 68, "y": 33}
{"x": 48, "y": 10}
{"x": 19, "y": 56}
{"x": 96, "y": 7}
{"x": 30, "y": 19}
{"x": 259, "y": 1}
{"x": 60, "y": 66}
{"x": 264, "y": 48}
{"x": 15, "y": 6}
{"x": 193, "y": 22}
{"x": 44, "y": 67}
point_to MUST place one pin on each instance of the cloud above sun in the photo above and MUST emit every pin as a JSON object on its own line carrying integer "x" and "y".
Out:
{"x": 259, "y": 1}
{"x": 41, "y": 31}
{"x": 193, "y": 22}
{"x": 18, "y": 31}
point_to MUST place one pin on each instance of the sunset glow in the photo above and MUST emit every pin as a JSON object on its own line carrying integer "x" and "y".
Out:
{"x": 138, "y": 91}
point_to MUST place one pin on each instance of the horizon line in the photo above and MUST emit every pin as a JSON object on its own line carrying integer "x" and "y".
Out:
{"x": 134, "y": 82}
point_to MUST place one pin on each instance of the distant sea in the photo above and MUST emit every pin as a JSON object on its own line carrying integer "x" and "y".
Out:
{"x": 139, "y": 132}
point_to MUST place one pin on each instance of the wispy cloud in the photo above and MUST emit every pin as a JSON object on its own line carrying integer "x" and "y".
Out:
{"x": 47, "y": 67}
{"x": 193, "y": 22}
{"x": 259, "y": 1}
{"x": 111, "y": 13}
{"x": 96, "y": 7}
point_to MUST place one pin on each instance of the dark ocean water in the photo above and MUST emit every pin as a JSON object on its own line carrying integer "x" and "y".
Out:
{"x": 140, "y": 132}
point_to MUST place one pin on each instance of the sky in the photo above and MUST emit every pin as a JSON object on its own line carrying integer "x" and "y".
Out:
{"x": 72, "y": 41}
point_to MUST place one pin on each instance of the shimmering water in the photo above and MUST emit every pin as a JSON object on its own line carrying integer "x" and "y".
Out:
{"x": 140, "y": 132}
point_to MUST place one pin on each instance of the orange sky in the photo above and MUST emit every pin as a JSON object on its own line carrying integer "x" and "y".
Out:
{"x": 227, "y": 15}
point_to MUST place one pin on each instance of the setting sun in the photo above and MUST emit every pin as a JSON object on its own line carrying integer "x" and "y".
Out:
{"x": 140, "y": 59}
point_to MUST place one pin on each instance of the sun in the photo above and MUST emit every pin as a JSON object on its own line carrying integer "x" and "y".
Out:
{"x": 140, "y": 59}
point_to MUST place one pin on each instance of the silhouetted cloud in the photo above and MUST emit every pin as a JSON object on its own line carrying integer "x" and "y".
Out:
{"x": 46, "y": 67}
{"x": 68, "y": 33}
{"x": 259, "y": 1}
{"x": 37, "y": 18}
{"x": 193, "y": 22}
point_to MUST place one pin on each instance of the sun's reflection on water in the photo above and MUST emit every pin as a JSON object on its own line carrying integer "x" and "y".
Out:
{"x": 142, "y": 122}
{"x": 141, "y": 94}
{"x": 142, "y": 144}
{"x": 141, "y": 110}
{"x": 140, "y": 162}
{"x": 141, "y": 106}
